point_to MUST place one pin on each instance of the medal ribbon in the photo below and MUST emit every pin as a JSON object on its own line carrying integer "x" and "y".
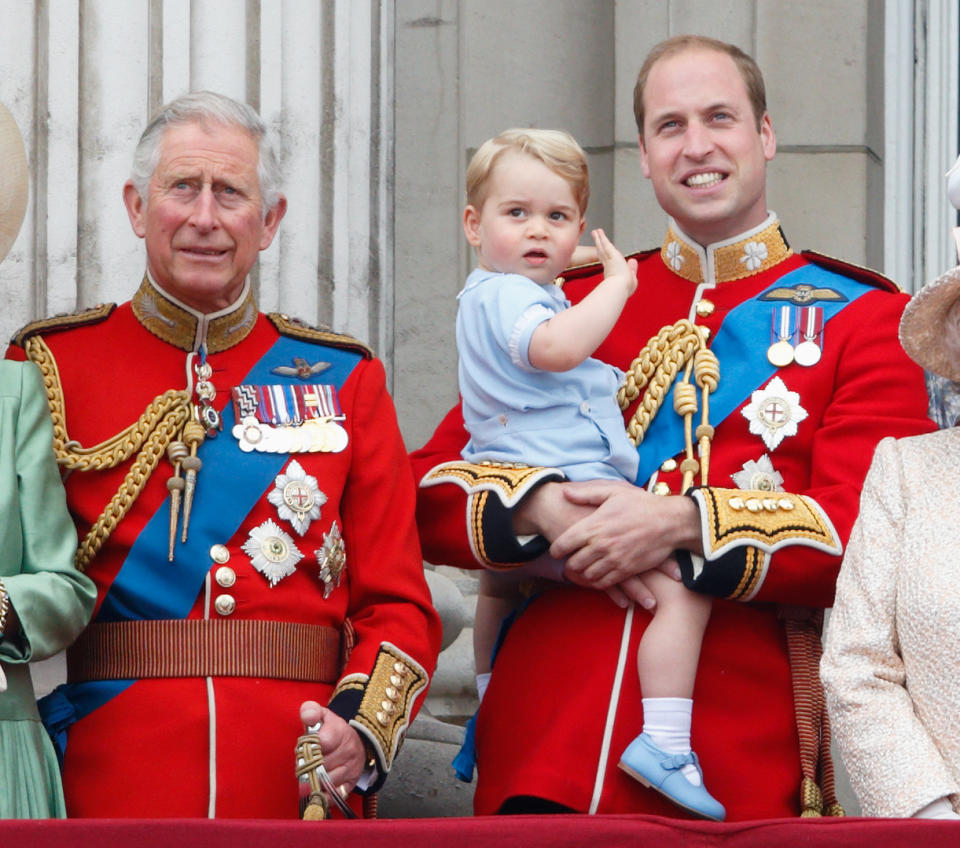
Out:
{"x": 743, "y": 362}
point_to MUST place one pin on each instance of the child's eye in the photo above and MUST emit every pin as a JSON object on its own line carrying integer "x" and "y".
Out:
{"x": 558, "y": 216}
{"x": 516, "y": 212}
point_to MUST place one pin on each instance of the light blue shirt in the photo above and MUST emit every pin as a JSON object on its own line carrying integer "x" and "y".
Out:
{"x": 515, "y": 412}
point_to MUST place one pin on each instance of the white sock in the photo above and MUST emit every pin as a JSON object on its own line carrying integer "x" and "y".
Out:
{"x": 483, "y": 680}
{"x": 667, "y": 722}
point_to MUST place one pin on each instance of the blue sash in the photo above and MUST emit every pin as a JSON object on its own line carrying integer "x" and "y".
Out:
{"x": 230, "y": 483}
{"x": 741, "y": 349}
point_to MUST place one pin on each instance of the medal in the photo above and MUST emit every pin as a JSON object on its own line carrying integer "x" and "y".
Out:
{"x": 332, "y": 558}
{"x": 810, "y": 323}
{"x": 297, "y": 497}
{"x": 774, "y": 413}
{"x": 780, "y": 353}
{"x": 272, "y": 552}
{"x": 289, "y": 419}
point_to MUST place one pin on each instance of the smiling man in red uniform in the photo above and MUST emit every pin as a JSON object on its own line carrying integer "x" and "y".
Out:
{"x": 748, "y": 486}
{"x": 246, "y": 506}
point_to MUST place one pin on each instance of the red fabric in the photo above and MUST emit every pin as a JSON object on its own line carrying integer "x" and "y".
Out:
{"x": 146, "y": 752}
{"x": 481, "y": 832}
{"x": 540, "y": 729}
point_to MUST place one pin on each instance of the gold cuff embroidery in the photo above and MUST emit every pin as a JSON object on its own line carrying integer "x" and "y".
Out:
{"x": 509, "y": 482}
{"x": 732, "y": 518}
{"x": 388, "y": 697}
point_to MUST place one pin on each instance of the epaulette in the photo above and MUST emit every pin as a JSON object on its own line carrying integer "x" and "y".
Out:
{"x": 56, "y": 323}
{"x": 848, "y": 269}
{"x": 297, "y": 329}
{"x": 581, "y": 272}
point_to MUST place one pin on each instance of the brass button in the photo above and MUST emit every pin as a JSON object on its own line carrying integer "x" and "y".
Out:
{"x": 219, "y": 554}
{"x": 754, "y": 505}
{"x": 401, "y": 669}
{"x": 705, "y": 307}
{"x": 383, "y": 719}
{"x": 387, "y": 707}
{"x": 786, "y": 503}
{"x": 225, "y": 576}
{"x": 661, "y": 489}
{"x": 770, "y": 504}
{"x": 225, "y": 604}
{"x": 395, "y": 680}
{"x": 736, "y": 503}
{"x": 669, "y": 465}
{"x": 391, "y": 693}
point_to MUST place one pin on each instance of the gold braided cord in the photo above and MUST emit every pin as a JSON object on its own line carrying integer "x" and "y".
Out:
{"x": 131, "y": 487}
{"x": 680, "y": 346}
{"x": 110, "y": 452}
{"x": 162, "y": 421}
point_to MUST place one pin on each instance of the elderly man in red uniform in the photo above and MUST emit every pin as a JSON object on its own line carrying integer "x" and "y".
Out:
{"x": 749, "y": 480}
{"x": 246, "y": 508}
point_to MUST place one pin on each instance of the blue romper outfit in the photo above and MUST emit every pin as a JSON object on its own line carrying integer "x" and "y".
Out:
{"x": 515, "y": 412}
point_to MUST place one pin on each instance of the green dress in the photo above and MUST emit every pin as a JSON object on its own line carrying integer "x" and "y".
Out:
{"x": 52, "y": 599}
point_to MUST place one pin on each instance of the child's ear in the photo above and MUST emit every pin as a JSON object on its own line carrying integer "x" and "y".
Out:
{"x": 583, "y": 224}
{"x": 471, "y": 225}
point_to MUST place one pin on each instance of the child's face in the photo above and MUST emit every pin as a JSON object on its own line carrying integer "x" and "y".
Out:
{"x": 529, "y": 223}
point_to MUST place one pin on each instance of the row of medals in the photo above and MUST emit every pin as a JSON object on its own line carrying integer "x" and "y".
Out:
{"x": 783, "y": 352}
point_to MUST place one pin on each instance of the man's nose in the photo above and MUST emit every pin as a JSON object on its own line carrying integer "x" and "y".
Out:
{"x": 204, "y": 213}
{"x": 698, "y": 140}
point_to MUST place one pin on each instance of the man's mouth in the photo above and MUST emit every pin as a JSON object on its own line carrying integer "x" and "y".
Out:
{"x": 704, "y": 180}
{"x": 204, "y": 251}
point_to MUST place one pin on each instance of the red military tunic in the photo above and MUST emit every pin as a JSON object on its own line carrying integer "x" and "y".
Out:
{"x": 223, "y": 744}
{"x": 564, "y": 700}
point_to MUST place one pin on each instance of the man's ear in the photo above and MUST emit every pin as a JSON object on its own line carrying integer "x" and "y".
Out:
{"x": 643, "y": 157}
{"x": 768, "y": 138}
{"x": 471, "y": 225}
{"x": 272, "y": 221}
{"x": 136, "y": 208}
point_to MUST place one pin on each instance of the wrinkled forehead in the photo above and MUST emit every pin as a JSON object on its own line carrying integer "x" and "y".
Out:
{"x": 208, "y": 148}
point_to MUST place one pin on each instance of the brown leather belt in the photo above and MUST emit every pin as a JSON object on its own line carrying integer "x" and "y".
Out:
{"x": 125, "y": 650}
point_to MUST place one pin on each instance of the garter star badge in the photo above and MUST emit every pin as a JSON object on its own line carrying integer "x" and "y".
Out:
{"x": 272, "y": 552}
{"x": 774, "y": 413}
{"x": 297, "y": 497}
{"x": 332, "y": 558}
{"x": 759, "y": 475}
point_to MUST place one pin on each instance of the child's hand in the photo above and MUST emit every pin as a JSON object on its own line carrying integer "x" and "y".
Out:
{"x": 615, "y": 267}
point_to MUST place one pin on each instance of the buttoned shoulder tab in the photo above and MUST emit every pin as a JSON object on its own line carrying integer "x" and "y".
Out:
{"x": 58, "y": 323}
{"x": 297, "y": 329}
{"x": 849, "y": 269}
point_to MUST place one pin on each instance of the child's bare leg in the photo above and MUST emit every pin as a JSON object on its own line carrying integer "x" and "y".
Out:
{"x": 670, "y": 647}
{"x": 497, "y": 597}
{"x": 667, "y": 666}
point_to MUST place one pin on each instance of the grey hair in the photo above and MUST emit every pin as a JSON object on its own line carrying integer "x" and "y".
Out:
{"x": 207, "y": 107}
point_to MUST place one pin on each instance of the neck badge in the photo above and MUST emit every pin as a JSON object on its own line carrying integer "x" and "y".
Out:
{"x": 289, "y": 419}
{"x": 759, "y": 476}
{"x": 297, "y": 497}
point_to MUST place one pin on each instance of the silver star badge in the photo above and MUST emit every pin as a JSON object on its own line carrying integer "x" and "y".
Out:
{"x": 272, "y": 552}
{"x": 759, "y": 475}
{"x": 332, "y": 558}
{"x": 297, "y": 497}
{"x": 774, "y": 413}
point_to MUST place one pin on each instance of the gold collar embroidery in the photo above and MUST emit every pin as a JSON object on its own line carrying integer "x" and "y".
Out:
{"x": 176, "y": 323}
{"x": 732, "y": 259}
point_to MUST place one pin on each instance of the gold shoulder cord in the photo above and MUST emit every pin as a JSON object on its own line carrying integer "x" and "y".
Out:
{"x": 159, "y": 425}
{"x": 677, "y": 346}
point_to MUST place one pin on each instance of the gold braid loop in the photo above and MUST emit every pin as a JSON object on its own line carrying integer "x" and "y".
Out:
{"x": 657, "y": 365}
{"x": 677, "y": 346}
{"x": 131, "y": 487}
{"x": 150, "y": 434}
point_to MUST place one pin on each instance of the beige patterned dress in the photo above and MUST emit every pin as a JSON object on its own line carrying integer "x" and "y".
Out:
{"x": 891, "y": 666}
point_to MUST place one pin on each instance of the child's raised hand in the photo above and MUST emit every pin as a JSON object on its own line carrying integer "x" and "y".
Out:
{"x": 614, "y": 265}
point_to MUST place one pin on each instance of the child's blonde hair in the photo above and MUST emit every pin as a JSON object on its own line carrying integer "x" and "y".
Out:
{"x": 558, "y": 150}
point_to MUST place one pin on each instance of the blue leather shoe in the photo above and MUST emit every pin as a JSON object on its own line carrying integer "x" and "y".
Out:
{"x": 655, "y": 768}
